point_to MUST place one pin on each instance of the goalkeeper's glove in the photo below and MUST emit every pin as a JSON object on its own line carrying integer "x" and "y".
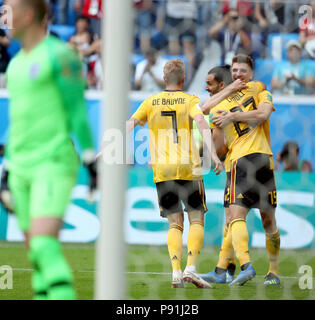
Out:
{"x": 5, "y": 193}
{"x": 90, "y": 162}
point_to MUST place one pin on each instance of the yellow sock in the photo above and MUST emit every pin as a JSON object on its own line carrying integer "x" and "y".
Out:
{"x": 175, "y": 245}
{"x": 226, "y": 255}
{"x": 194, "y": 242}
{"x": 273, "y": 249}
{"x": 240, "y": 240}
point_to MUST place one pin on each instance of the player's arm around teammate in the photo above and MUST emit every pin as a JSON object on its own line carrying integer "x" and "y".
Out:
{"x": 258, "y": 116}
{"x": 204, "y": 130}
{"x": 222, "y": 94}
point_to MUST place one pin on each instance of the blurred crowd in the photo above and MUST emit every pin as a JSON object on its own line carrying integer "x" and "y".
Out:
{"x": 197, "y": 31}
{"x": 188, "y": 28}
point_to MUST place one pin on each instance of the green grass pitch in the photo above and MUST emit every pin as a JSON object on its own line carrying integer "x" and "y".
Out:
{"x": 148, "y": 274}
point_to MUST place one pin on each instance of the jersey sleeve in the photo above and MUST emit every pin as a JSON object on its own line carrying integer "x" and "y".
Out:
{"x": 266, "y": 97}
{"x": 69, "y": 77}
{"x": 194, "y": 107}
{"x": 259, "y": 86}
{"x": 142, "y": 113}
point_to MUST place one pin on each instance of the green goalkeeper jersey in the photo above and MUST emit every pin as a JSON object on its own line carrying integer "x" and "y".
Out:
{"x": 46, "y": 91}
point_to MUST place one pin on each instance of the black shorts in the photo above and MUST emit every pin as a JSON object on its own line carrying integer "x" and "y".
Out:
{"x": 171, "y": 193}
{"x": 251, "y": 183}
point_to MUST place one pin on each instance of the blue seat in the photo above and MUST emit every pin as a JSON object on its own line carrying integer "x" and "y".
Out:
{"x": 256, "y": 39}
{"x": 64, "y": 32}
{"x": 276, "y": 45}
{"x": 14, "y": 47}
{"x": 264, "y": 69}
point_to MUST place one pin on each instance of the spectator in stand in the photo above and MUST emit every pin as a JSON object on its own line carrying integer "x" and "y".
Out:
{"x": 270, "y": 15}
{"x": 77, "y": 7}
{"x": 51, "y": 11}
{"x": 144, "y": 22}
{"x": 293, "y": 76}
{"x": 210, "y": 12}
{"x": 178, "y": 21}
{"x": 289, "y": 159}
{"x": 292, "y": 15}
{"x": 307, "y": 34}
{"x": 232, "y": 37}
{"x": 95, "y": 79}
{"x": 93, "y": 10}
{"x": 81, "y": 41}
{"x": 63, "y": 8}
{"x": 245, "y": 10}
{"x": 149, "y": 72}
{"x": 93, "y": 62}
{"x": 82, "y": 38}
{"x": 4, "y": 56}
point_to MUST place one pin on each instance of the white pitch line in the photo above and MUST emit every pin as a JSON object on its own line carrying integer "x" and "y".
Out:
{"x": 145, "y": 273}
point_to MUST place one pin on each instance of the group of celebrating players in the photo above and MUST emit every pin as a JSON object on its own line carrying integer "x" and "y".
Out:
{"x": 46, "y": 89}
{"x": 239, "y": 119}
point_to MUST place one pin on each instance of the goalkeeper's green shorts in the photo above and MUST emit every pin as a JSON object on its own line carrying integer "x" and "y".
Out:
{"x": 45, "y": 194}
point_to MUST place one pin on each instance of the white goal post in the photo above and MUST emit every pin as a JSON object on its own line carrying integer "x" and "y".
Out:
{"x": 110, "y": 247}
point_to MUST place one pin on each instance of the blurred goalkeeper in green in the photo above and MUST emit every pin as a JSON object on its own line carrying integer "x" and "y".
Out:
{"x": 46, "y": 91}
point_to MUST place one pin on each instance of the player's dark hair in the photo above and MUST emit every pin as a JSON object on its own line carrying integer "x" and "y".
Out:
{"x": 289, "y": 148}
{"x": 82, "y": 17}
{"x": 222, "y": 73}
{"x": 243, "y": 58}
{"x": 150, "y": 51}
{"x": 40, "y": 9}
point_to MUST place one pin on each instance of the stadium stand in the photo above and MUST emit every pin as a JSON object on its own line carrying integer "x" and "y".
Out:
{"x": 265, "y": 60}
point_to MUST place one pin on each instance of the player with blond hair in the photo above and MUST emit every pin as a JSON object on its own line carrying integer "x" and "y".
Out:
{"x": 177, "y": 166}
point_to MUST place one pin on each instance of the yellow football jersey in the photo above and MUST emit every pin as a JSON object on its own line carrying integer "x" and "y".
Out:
{"x": 242, "y": 138}
{"x": 174, "y": 155}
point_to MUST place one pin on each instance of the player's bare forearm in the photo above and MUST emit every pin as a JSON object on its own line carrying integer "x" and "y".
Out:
{"x": 207, "y": 138}
{"x": 223, "y": 94}
{"x": 205, "y": 132}
{"x": 260, "y": 115}
{"x": 219, "y": 142}
{"x": 131, "y": 124}
{"x": 215, "y": 99}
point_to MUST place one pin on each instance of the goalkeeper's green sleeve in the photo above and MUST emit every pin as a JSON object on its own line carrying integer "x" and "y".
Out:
{"x": 68, "y": 72}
